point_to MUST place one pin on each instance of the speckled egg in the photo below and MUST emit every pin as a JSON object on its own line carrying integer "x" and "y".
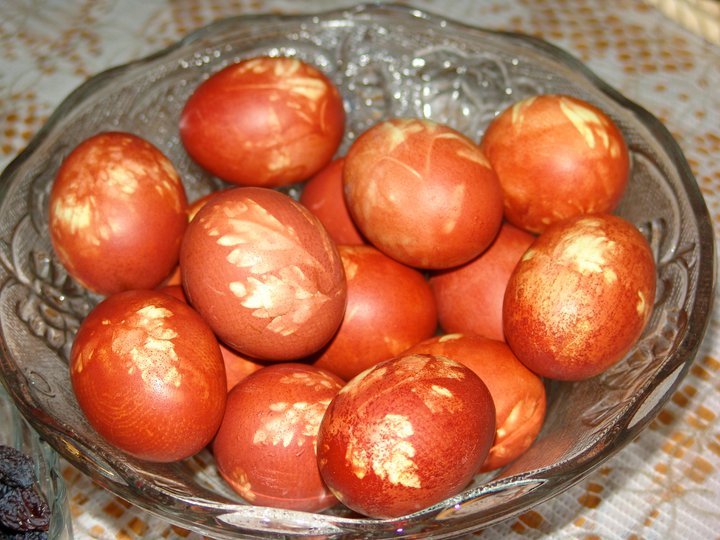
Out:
{"x": 265, "y": 447}
{"x": 580, "y": 297}
{"x": 264, "y": 273}
{"x": 517, "y": 392}
{"x": 405, "y": 434}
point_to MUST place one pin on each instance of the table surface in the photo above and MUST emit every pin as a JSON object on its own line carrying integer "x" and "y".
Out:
{"x": 666, "y": 483}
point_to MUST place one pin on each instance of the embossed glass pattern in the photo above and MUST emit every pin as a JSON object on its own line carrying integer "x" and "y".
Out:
{"x": 387, "y": 61}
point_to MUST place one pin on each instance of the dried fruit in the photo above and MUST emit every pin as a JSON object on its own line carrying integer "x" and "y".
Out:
{"x": 16, "y": 469}
{"x": 23, "y": 508}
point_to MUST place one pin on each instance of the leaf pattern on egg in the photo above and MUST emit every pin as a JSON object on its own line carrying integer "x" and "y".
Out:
{"x": 389, "y": 455}
{"x": 290, "y": 81}
{"x": 147, "y": 343}
{"x": 592, "y": 126}
{"x": 298, "y": 422}
{"x": 278, "y": 288}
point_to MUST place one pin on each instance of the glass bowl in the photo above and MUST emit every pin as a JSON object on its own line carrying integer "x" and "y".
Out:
{"x": 17, "y": 433}
{"x": 387, "y": 60}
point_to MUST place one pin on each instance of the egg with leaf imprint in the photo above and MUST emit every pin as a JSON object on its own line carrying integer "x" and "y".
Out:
{"x": 556, "y": 157}
{"x": 264, "y": 121}
{"x": 117, "y": 213}
{"x": 148, "y": 375}
{"x": 265, "y": 447}
{"x": 580, "y": 297}
{"x": 405, "y": 434}
{"x": 422, "y": 192}
{"x": 517, "y": 392}
{"x": 264, "y": 273}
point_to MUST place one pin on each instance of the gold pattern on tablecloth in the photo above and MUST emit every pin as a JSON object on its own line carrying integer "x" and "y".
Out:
{"x": 665, "y": 483}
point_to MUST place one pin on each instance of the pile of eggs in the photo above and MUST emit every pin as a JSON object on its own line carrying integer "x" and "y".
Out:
{"x": 377, "y": 343}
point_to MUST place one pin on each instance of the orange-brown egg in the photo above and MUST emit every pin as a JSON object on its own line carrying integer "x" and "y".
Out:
{"x": 265, "y": 447}
{"x": 148, "y": 375}
{"x": 323, "y": 195}
{"x": 556, "y": 156}
{"x": 469, "y": 297}
{"x": 117, "y": 213}
{"x": 389, "y": 308}
{"x": 517, "y": 392}
{"x": 422, "y": 193}
{"x": 264, "y": 274}
{"x": 405, "y": 434}
{"x": 580, "y": 297}
{"x": 264, "y": 121}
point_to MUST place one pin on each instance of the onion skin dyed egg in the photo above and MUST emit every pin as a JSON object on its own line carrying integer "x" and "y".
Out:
{"x": 580, "y": 297}
{"x": 117, "y": 213}
{"x": 556, "y": 157}
{"x": 323, "y": 195}
{"x": 264, "y": 274}
{"x": 264, "y": 122}
{"x": 518, "y": 393}
{"x": 148, "y": 375}
{"x": 422, "y": 193}
{"x": 389, "y": 308}
{"x": 469, "y": 297}
{"x": 405, "y": 434}
{"x": 265, "y": 447}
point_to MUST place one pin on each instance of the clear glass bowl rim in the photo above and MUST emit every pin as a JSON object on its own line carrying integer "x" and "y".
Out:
{"x": 544, "y": 483}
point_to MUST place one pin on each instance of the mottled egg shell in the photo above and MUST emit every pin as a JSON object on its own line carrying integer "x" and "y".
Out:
{"x": 389, "y": 308}
{"x": 263, "y": 272}
{"x": 148, "y": 375}
{"x": 264, "y": 121}
{"x": 422, "y": 193}
{"x": 517, "y": 392}
{"x": 469, "y": 297}
{"x": 556, "y": 157}
{"x": 265, "y": 447}
{"x": 580, "y": 297}
{"x": 117, "y": 213}
{"x": 405, "y": 434}
{"x": 323, "y": 195}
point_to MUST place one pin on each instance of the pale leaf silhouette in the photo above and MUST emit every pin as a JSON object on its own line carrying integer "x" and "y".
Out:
{"x": 259, "y": 242}
{"x": 287, "y": 299}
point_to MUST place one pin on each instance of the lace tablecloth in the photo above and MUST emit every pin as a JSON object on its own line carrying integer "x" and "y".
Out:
{"x": 666, "y": 483}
